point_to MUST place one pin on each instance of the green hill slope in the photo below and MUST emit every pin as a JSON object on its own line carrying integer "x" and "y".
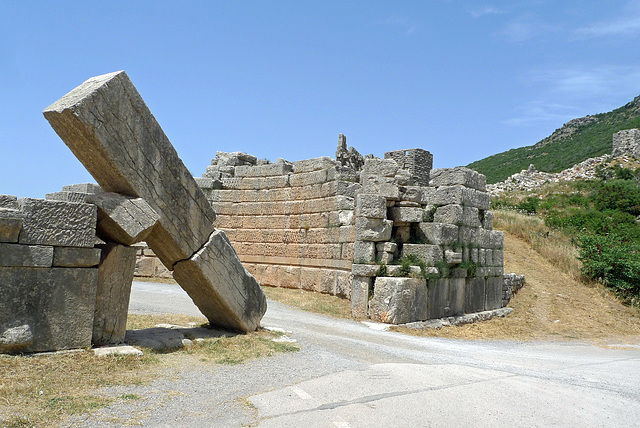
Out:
{"x": 577, "y": 140}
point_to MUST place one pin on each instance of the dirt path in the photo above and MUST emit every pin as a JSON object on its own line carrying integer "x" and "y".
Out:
{"x": 552, "y": 306}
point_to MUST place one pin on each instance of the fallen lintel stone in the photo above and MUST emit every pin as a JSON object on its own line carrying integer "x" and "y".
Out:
{"x": 109, "y": 128}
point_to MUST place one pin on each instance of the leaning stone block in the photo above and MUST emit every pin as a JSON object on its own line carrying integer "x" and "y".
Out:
{"x": 406, "y": 214}
{"x": 9, "y": 202}
{"x": 25, "y": 255}
{"x": 221, "y": 287}
{"x": 438, "y": 233}
{"x": 76, "y": 257}
{"x": 10, "y": 225}
{"x": 451, "y": 214}
{"x": 458, "y": 175}
{"x": 398, "y": 300}
{"x": 371, "y": 206}
{"x": 373, "y": 229}
{"x": 360, "y": 286}
{"x": 57, "y": 223}
{"x": 364, "y": 252}
{"x": 141, "y": 162}
{"x": 123, "y": 219}
{"x": 56, "y": 304}
{"x": 431, "y": 254}
{"x": 115, "y": 275}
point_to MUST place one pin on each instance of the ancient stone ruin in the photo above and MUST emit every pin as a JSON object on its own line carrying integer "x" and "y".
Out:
{"x": 627, "y": 142}
{"x": 61, "y": 287}
{"x": 343, "y": 227}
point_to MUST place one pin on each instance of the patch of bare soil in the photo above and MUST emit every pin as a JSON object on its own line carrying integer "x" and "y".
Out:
{"x": 551, "y": 306}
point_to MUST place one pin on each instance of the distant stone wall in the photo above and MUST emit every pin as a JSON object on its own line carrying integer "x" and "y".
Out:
{"x": 291, "y": 223}
{"x": 627, "y": 142}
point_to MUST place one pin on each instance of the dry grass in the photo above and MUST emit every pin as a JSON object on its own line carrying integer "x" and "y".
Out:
{"x": 42, "y": 390}
{"x": 311, "y": 301}
{"x": 551, "y": 244}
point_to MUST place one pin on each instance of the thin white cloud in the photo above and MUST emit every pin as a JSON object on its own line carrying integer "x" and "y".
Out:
{"x": 626, "y": 24}
{"x": 581, "y": 91}
{"x": 487, "y": 10}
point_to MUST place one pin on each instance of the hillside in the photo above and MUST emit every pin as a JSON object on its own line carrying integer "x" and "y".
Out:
{"x": 575, "y": 141}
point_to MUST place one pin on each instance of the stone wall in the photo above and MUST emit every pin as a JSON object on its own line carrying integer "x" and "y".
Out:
{"x": 48, "y": 274}
{"x": 291, "y": 223}
{"x": 627, "y": 142}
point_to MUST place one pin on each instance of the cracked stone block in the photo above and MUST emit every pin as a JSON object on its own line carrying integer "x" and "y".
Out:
{"x": 398, "y": 300}
{"x": 438, "y": 233}
{"x": 57, "y": 304}
{"x": 26, "y": 255}
{"x": 371, "y": 206}
{"x": 57, "y": 223}
{"x": 360, "y": 286}
{"x": 406, "y": 214}
{"x": 115, "y": 275}
{"x": 142, "y": 163}
{"x": 373, "y": 229}
{"x": 221, "y": 287}
{"x": 123, "y": 219}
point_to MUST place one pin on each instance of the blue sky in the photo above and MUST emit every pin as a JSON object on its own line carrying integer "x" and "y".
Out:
{"x": 462, "y": 79}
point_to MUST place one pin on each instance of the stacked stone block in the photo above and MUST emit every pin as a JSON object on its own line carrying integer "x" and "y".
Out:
{"x": 627, "y": 142}
{"x": 48, "y": 274}
{"x": 417, "y": 162}
{"x": 291, "y": 223}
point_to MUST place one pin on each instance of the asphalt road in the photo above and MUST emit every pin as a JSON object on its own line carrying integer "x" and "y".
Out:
{"x": 348, "y": 374}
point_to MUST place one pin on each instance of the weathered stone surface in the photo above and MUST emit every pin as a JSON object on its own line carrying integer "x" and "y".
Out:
{"x": 65, "y": 196}
{"x": 438, "y": 233}
{"x": 123, "y": 219}
{"x": 431, "y": 254}
{"x": 221, "y": 287}
{"x": 115, "y": 275}
{"x": 493, "y": 293}
{"x": 458, "y": 175}
{"x": 57, "y": 304}
{"x": 141, "y": 162}
{"x": 89, "y": 188}
{"x": 371, "y": 206}
{"x": 445, "y": 297}
{"x": 9, "y": 202}
{"x": 76, "y": 257}
{"x": 406, "y": 214}
{"x": 364, "y": 270}
{"x": 10, "y": 225}
{"x": 360, "y": 286}
{"x": 413, "y": 194}
{"x": 398, "y": 300}
{"x": 373, "y": 229}
{"x": 460, "y": 195}
{"x": 57, "y": 223}
{"x": 315, "y": 164}
{"x": 25, "y": 255}
{"x": 452, "y": 257}
{"x": 381, "y": 167}
{"x": 16, "y": 339}
{"x": 450, "y": 214}
{"x": 487, "y": 220}
{"x": 471, "y": 217}
{"x": 474, "y": 295}
{"x": 269, "y": 170}
{"x": 379, "y": 185}
{"x": 364, "y": 252}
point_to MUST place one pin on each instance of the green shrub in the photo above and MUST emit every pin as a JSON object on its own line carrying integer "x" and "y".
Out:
{"x": 529, "y": 205}
{"x": 622, "y": 195}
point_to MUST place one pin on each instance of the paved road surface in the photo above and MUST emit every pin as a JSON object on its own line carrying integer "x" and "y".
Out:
{"x": 350, "y": 375}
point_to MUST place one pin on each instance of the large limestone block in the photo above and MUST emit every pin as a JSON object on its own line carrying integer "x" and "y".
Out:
{"x": 364, "y": 252}
{"x": 398, "y": 300}
{"x": 109, "y": 128}
{"x": 360, "y": 286}
{"x": 88, "y": 188}
{"x": 25, "y": 255}
{"x": 56, "y": 304}
{"x": 458, "y": 175}
{"x": 474, "y": 295}
{"x": 314, "y": 164}
{"x": 371, "y": 206}
{"x": 268, "y": 170}
{"x": 373, "y": 229}
{"x": 382, "y": 167}
{"x": 451, "y": 214}
{"x": 10, "y": 225}
{"x": 406, "y": 214}
{"x": 9, "y": 202}
{"x": 493, "y": 293}
{"x": 57, "y": 223}
{"x": 107, "y": 125}
{"x": 438, "y": 233}
{"x": 221, "y": 287}
{"x": 76, "y": 257}
{"x": 123, "y": 219}
{"x": 115, "y": 275}
{"x": 445, "y": 297}
{"x": 460, "y": 195}
{"x": 431, "y": 254}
